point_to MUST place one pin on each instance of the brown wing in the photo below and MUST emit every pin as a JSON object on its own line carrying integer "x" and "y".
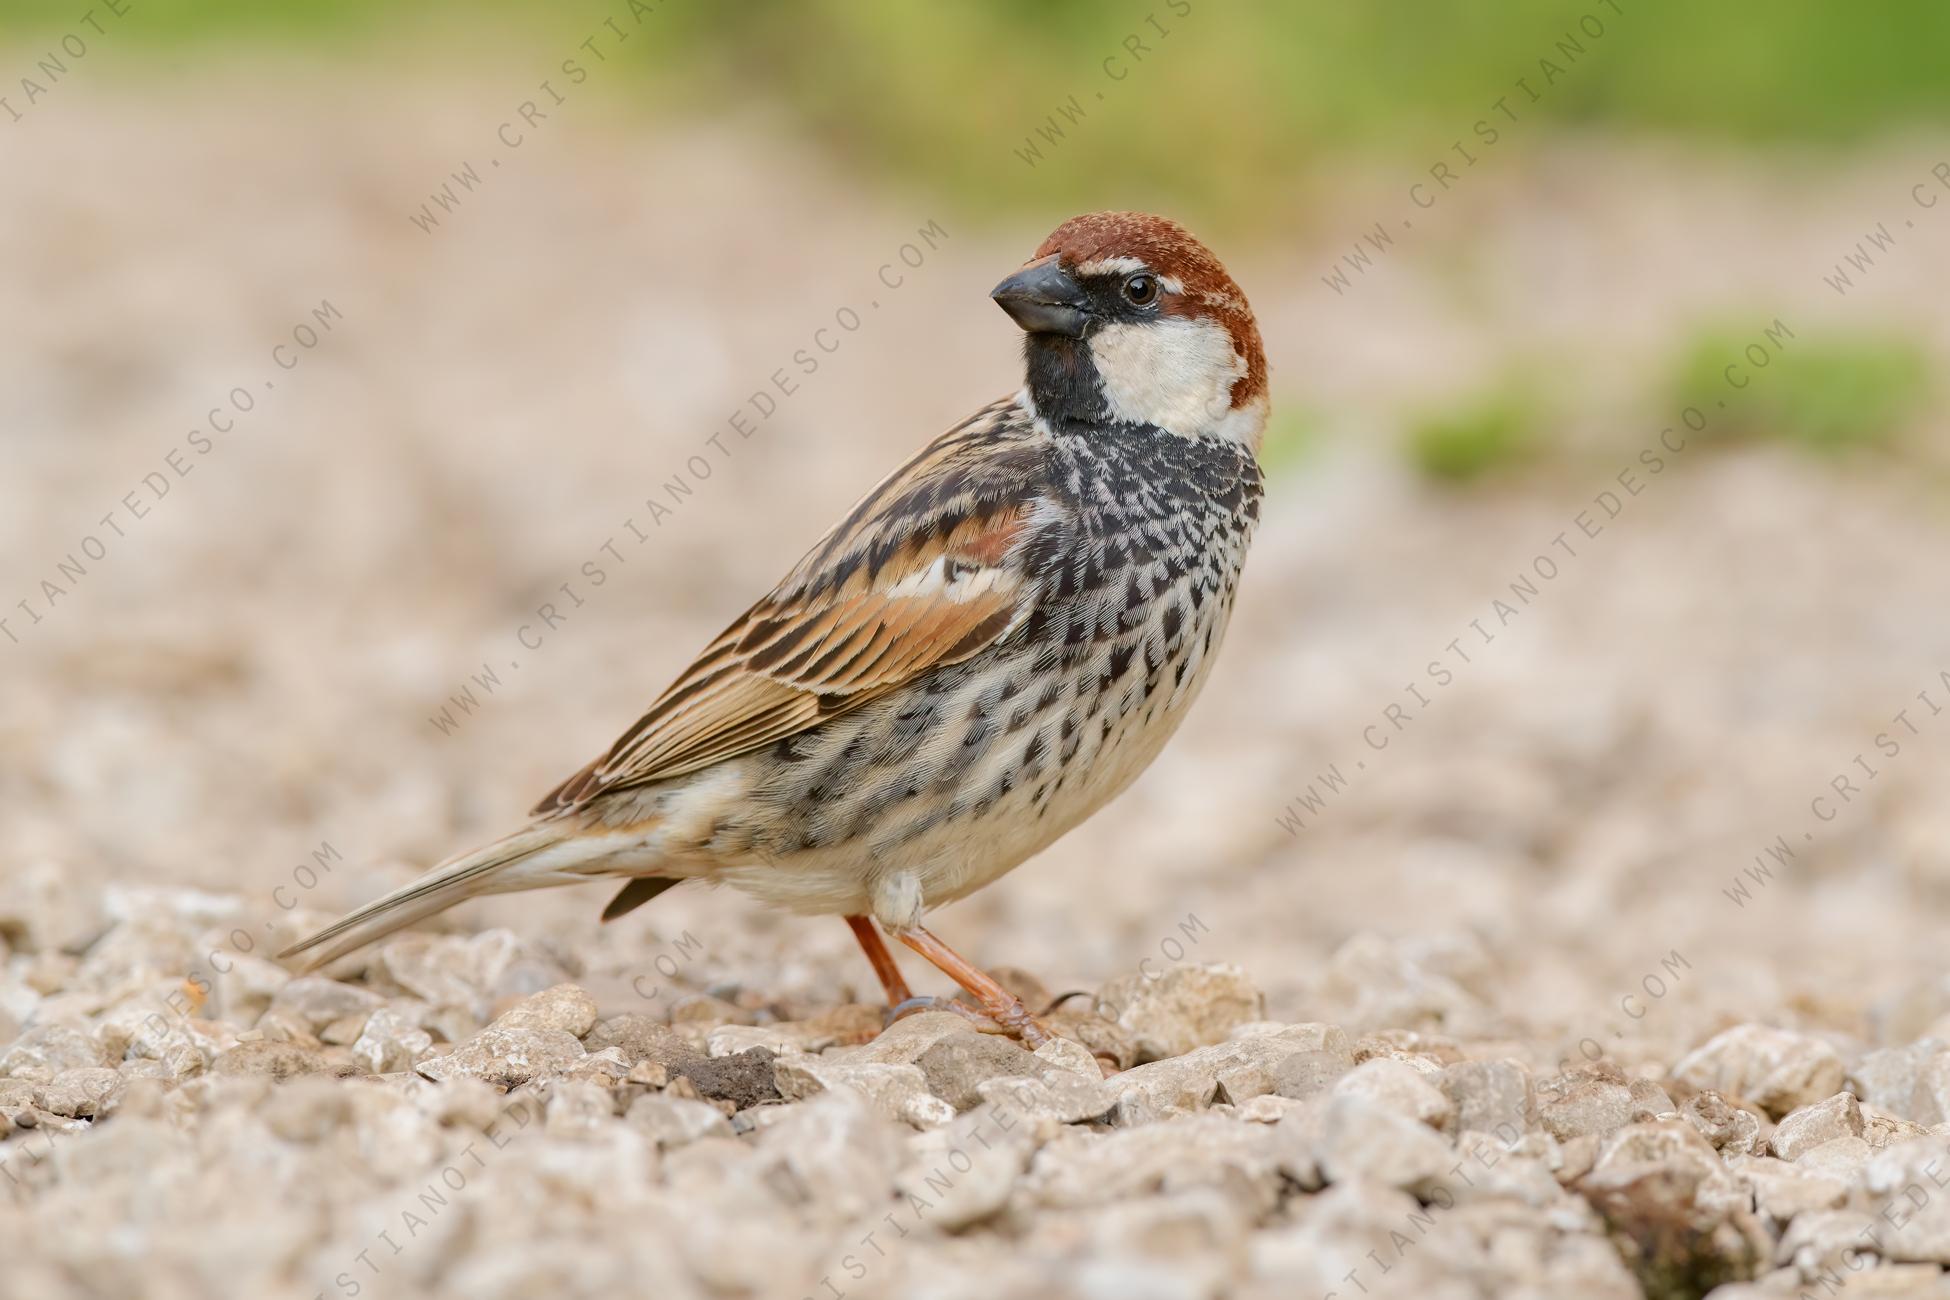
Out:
{"x": 928, "y": 569}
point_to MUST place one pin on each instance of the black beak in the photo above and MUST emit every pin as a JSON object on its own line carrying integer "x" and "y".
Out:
{"x": 1044, "y": 299}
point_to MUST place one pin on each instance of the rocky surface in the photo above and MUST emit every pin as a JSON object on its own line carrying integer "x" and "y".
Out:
{"x": 470, "y": 1133}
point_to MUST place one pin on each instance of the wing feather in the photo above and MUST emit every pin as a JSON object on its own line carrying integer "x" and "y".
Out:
{"x": 928, "y": 570}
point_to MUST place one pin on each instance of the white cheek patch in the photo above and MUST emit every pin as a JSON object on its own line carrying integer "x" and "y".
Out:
{"x": 1173, "y": 372}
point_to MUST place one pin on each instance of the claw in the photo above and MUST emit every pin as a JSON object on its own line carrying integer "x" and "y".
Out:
{"x": 1061, "y": 998}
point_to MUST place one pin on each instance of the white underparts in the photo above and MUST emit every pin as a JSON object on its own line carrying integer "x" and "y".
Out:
{"x": 1175, "y": 373}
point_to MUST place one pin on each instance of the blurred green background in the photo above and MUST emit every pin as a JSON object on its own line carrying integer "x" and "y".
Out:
{"x": 1257, "y": 122}
{"x": 1251, "y": 101}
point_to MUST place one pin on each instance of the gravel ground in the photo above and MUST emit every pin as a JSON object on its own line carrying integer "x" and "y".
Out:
{"x": 1603, "y": 961}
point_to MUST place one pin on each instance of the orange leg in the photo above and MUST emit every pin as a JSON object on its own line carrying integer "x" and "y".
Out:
{"x": 882, "y": 960}
{"x": 1002, "y": 1006}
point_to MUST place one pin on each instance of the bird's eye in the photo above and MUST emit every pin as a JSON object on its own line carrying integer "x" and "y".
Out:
{"x": 1141, "y": 290}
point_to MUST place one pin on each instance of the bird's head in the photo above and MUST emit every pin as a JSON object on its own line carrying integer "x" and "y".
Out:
{"x": 1131, "y": 320}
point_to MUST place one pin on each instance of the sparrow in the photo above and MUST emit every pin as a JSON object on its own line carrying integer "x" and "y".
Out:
{"x": 986, "y": 650}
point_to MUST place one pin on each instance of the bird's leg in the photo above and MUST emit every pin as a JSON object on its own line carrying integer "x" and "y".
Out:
{"x": 901, "y": 1001}
{"x": 1002, "y": 1006}
{"x": 881, "y": 959}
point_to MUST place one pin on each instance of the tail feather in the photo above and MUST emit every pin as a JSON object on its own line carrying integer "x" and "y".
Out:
{"x": 453, "y": 881}
{"x": 639, "y": 891}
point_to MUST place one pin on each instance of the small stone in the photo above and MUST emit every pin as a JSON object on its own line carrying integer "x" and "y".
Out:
{"x": 243, "y": 992}
{"x": 344, "y": 1031}
{"x": 1911, "y": 1083}
{"x": 438, "y": 969}
{"x": 1313, "y": 1253}
{"x": 848, "y": 1025}
{"x": 1304, "y": 1074}
{"x": 1489, "y": 1096}
{"x": 564, "y": 1007}
{"x": 1781, "y": 1191}
{"x": 310, "y": 1108}
{"x": 277, "y": 1060}
{"x": 1062, "y": 1054}
{"x": 907, "y": 1039}
{"x": 1841, "y": 1157}
{"x": 703, "y": 1009}
{"x": 142, "y": 1067}
{"x": 1905, "y": 1184}
{"x": 1191, "y": 1082}
{"x": 1506, "y": 1166}
{"x": 1829, "y": 1241}
{"x": 1181, "y": 1009}
{"x": 965, "y": 1172}
{"x": 49, "y": 1050}
{"x": 1810, "y": 1126}
{"x": 391, "y": 1040}
{"x": 1673, "y": 1208}
{"x": 507, "y": 1058}
{"x": 729, "y": 1040}
{"x": 1669, "y": 1146}
{"x": 900, "y": 1092}
{"x": 451, "y": 1024}
{"x": 1104, "y": 1038}
{"x": 743, "y": 1080}
{"x": 1576, "y": 1158}
{"x": 1241, "y": 1085}
{"x": 1775, "y": 1069}
{"x": 466, "y": 1102}
{"x": 1583, "y": 1102}
{"x": 652, "y": 1074}
{"x": 577, "y": 1110}
{"x": 1724, "y": 1125}
{"x": 606, "y": 1068}
{"x": 832, "y": 1157}
{"x": 314, "y": 1002}
{"x": 956, "y": 1065}
{"x": 1271, "y": 1108}
{"x": 87, "y": 1093}
{"x": 1398, "y": 1086}
{"x": 640, "y": 1039}
{"x": 1880, "y": 1130}
{"x": 18, "y": 1094}
{"x": 1433, "y": 1051}
{"x": 1363, "y": 1138}
{"x": 1059, "y": 1097}
{"x": 1650, "y": 1101}
{"x": 1247, "y": 1164}
{"x": 672, "y": 1122}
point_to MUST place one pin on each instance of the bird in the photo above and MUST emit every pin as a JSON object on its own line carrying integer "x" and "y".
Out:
{"x": 989, "y": 647}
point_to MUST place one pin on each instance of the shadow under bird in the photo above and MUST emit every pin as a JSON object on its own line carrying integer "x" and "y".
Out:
{"x": 988, "y": 648}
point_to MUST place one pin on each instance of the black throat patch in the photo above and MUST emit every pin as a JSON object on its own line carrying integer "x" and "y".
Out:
{"x": 1063, "y": 381}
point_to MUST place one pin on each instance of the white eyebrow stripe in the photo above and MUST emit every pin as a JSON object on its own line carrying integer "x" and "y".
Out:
{"x": 1123, "y": 265}
{"x": 1112, "y": 265}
